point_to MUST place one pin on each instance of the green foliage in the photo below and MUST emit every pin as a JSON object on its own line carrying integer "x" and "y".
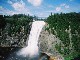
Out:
{"x": 17, "y": 22}
{"x": 62, "y": 23}
{"x": 2, "y": 22}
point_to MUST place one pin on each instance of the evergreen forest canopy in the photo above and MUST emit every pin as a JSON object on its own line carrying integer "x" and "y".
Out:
{"x": 66, "y": 26}
{"x": 14, "y": 24}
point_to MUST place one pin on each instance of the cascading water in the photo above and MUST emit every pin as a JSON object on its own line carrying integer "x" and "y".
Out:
{"x": 32, "y": 49}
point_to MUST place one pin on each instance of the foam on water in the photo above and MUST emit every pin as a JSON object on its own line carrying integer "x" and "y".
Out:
{"x": 32, "y": 48}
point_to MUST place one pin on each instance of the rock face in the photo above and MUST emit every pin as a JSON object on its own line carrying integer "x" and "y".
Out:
{"x": 47, "y": 42}
{"x": 15, "y": 40}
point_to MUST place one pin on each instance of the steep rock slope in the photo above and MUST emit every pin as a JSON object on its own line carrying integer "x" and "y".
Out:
{"x": 47, "y": 43}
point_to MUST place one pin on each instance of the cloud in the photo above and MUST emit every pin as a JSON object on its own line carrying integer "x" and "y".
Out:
{"x": 10, "y": 12}
{"x": 1, "y": 10}
{"x": 19, "y": 7}
{"x": 49, "y": 11}
{"x": 42, "y": 14}
{"x": 1, "y": 7}
{"x": 5, "y": 11}
{"x": 64, "y": 5}
{"x": 70, "y": 0}
{"x": 9, "y": 1}
{"x": 61, "y": 7}
{"x": 50, "y": 6}
{"x": 58, "y": 8}
{"x": 35, "y": 2}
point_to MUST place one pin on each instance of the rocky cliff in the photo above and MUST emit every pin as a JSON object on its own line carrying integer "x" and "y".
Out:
{"x": 47, "y": 43}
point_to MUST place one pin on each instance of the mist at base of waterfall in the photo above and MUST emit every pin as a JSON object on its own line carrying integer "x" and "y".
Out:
{"x": 10, "y": 53}
{"x": 29, "y": 51}
{"x": 32, "y": 49}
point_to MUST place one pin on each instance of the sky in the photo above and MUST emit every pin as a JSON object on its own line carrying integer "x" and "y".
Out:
{"x": 40, "y": 8}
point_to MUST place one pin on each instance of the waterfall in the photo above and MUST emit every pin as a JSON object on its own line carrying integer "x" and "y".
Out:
{"x": 32, "y": 48}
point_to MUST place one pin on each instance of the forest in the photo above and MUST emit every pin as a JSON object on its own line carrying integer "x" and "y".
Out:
{"x": 13, "y": 24}
{"x": 66, "y": 26}
{"x": 14, "y": 29}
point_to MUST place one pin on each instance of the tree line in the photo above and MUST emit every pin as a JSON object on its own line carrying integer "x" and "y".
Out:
{"x": 66, "y": 26}
{"x": 15, "y": 23}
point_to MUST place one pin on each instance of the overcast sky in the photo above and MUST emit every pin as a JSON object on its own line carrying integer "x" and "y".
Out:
{"x": 41, "y": 8}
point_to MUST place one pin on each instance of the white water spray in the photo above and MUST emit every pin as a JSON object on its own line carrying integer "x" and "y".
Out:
{"x": 32, "y": 48}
